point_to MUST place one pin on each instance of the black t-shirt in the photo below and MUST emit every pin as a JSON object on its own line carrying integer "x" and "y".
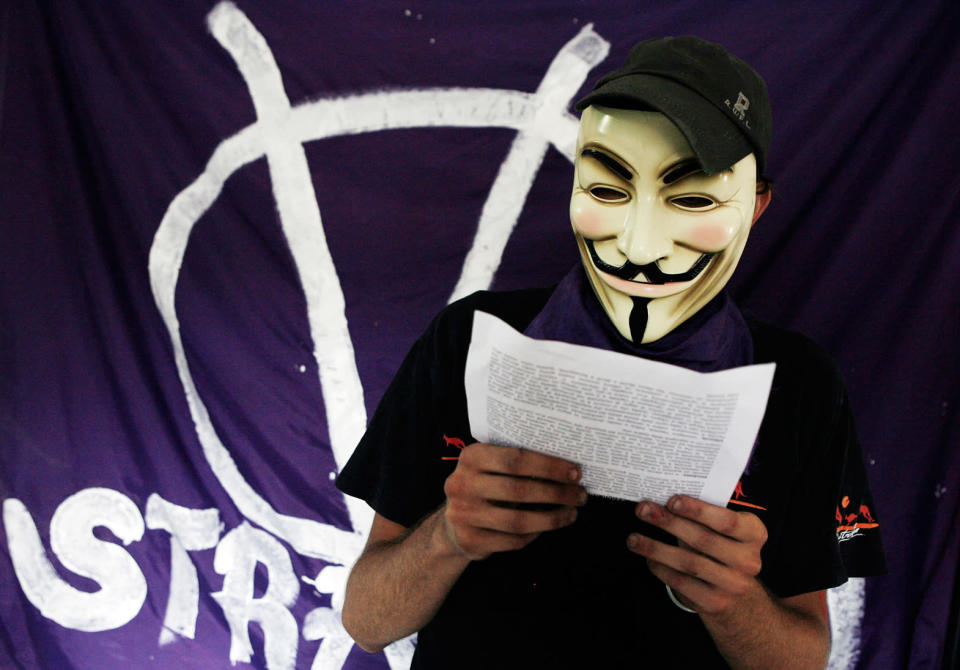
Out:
{"x": 576, "y": 597}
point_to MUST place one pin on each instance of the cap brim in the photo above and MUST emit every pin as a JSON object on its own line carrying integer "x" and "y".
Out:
{"x": 715, "y": 140}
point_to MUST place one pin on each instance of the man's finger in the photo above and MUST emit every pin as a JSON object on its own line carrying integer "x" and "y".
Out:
{"x": 527, "y": 490}
{"x": 703, "y": 539}
{"x": 478, "y": 543}
{"x": 508, "y": 520}
{"x": 741, "y": 526}
{"x": 699, "y": 596}
{"x": 519, "y": 463}
{"x": 741, "y": 555}
{"x": 687, "y": 562}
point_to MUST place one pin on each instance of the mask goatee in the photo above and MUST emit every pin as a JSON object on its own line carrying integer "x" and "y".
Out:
{"x": 638, "y": 319}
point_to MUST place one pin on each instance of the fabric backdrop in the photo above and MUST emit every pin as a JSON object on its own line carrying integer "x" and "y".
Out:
{"x": 224, "y": 224}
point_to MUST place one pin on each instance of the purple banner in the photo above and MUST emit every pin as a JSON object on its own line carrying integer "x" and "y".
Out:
{"x": 223, "y": 225}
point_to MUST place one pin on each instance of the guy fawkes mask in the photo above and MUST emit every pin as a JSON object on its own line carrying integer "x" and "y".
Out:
{"x": 659, "y": 237}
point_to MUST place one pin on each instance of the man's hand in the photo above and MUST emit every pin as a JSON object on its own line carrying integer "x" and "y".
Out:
{"x": 715, "y": 567}
{"x": 501, "y": 499}
{"x": 714, "y": 571}
{"x": 498, "y": 499}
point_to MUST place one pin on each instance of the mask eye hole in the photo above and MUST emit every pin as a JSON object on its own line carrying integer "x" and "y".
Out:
{"x": 607, "y": 194}
{"x": 694, "y": 203}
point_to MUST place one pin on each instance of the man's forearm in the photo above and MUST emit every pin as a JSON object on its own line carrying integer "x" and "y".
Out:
{"x": 770, "y": 634}
{"x": 396, "y": 587}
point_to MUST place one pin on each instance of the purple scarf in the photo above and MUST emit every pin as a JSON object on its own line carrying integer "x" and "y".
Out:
{"x": 715, "y": 338}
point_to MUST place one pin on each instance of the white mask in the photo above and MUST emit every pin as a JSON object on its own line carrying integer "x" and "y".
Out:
{"x": 640, "y": 199}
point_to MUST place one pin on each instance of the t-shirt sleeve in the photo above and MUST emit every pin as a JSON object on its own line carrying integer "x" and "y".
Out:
{"x": 389, "y": 468}
{"x": 398, "y": 467}
{"x": 829, "y": 531}
{"x": 855, "y": 521}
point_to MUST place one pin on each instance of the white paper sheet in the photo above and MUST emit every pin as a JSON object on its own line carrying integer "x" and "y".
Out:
{"x": 640, "y": 430}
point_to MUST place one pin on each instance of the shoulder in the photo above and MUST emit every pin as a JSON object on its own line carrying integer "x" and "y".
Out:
{"x": 800, "y": 361}
{"x": 454, "y": 322}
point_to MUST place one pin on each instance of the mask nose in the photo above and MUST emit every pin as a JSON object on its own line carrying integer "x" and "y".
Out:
{"x": 644, "y": 238}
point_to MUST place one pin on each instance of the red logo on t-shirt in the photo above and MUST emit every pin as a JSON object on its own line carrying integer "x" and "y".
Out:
{"x": 738, "y": 494}
{"x": 452, "y": 442}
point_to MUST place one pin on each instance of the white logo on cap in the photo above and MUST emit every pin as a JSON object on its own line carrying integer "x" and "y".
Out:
{"x": 740, "y": 107}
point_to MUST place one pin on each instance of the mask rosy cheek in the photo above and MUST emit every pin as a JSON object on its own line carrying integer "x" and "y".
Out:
{"x": 710, "y": 236}
{"x": 588, "y": 223}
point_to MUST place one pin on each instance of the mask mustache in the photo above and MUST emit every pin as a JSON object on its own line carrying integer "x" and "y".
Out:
{"x": 650, "y": 270}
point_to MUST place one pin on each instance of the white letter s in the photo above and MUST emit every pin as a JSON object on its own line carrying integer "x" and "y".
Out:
{"x": 123, "y": 587}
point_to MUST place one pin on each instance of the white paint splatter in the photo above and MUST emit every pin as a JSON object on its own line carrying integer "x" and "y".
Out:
{"x": 846, "y": 605}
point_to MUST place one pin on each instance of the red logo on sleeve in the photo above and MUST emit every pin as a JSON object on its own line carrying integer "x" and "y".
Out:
{"x": 850, "y": 523}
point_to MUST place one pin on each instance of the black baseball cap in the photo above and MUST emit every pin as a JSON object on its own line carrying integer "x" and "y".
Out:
{"x": 717, "y": 101}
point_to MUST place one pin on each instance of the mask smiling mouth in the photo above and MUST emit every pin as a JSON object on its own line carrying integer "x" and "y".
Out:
{"x": 650, "y": 271}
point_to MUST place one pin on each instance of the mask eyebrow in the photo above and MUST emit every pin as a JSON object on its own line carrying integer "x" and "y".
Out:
{"x": 610, "y": 163}
{"x": 681, "y": 170}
